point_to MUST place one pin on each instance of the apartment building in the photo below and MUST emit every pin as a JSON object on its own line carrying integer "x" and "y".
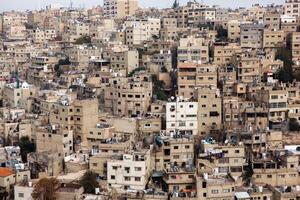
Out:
{"x": 276, "y": 101}
{"x": 192, "y": 49}
{"x": 128, "y": 96}
{"x": 42, "y": 36}
{"x": 181, "y": 180}
{"x": 191, "y": 75}
{"x": 291, "y": 8}
{"x": 228, "y": 158}
{"x": 273, "y": 39}
{"x": 267, "y": 169}
{"x": 234, "y": 30}
{"x": 76, "y": 115}
{"x": 272, "y": 21}
{"x": 119, "y": 8}
{"x": 130, "y": 170}
{"x": 181, "y": 116}
{"x": 74, "y": 30}
{"x": 124, "y": 62}
{"x": 14, "y": 93}
{"x": 176, "y": 149}
{"x": 223, "y": 53}
{"x": 215, "y": 187}
{"x": 137, "y": 31}
{"x": 256, "y": 12}
{"x": 249, "y": 68}
{"x": 296, "y": 45}
{"x": 209, "y": 110}
{"x": 53, "y": 139}
{"x": 251, "y": 35}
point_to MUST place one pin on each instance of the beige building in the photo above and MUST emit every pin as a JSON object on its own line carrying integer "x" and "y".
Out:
{"x": 192, "y": 49}
{"x": 128, "y": 96}
{"x": 291, "y": 8}
{"x": 191, "y": 75}
{"x": 209, "y": 110}
{"x": 296, "y": 45}
{"x": 130, "y": 170}
{"x": 223, "y": 53}
{"x": 119, "y": 8}
{"x": 273, "y": 39}
{"x": 234, "y": 30}
{"x": 251, "y": 35}
{"x": 272, "y": 20}
{"x": 14, "y": 93}
{"x": 214, "y": 187}
{"x": 124, "y": 62}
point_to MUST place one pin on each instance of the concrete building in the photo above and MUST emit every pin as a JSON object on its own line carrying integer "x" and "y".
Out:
{"x": 209, "y": 110}
{"x": 251, "y": 35}
{"x": 296, "y": 46}
{"x": 131, "y": 170}
{"x": 119, "y": 8}
{"x": 128, "y": 96}
{"x": 191, "y": 75}
{"x": 181, "y": 116}
{"x": 192, "y": 49}
{"x": 291, "y": 8}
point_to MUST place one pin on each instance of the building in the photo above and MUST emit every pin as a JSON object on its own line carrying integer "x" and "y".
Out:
{"x": 181, "y": 117}
{"x": 119, "y": 8}
{"x": 130, "y": 170}
{"x": 291, "y": 8}
{"x": 192, "y": 49}
{"x": 192, "y": 75}
{"x": 209, "y": 110}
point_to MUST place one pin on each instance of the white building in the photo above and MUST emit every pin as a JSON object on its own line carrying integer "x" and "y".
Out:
{"x": 130, "y": 171}
{"x": 182, "y": 116}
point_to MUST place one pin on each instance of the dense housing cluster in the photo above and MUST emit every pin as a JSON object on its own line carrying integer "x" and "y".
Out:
{"x": 123, "y": 102}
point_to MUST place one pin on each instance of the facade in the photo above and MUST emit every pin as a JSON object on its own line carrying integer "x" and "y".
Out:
{"x": 119, "y": 8}
{"x": 181, "y": 116}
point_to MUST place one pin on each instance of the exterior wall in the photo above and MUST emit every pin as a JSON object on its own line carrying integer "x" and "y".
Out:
{"x": 182, "y": 116}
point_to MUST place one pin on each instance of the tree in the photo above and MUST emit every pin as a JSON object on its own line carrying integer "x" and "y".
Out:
{"x": 84, "y": 40}
{"x": 158, "y": 90}
{"x": 57, "y": 67}
{"x": 26, "y": 147}
{"x": 222, "y": 33}
{"x": 294, "y": 125}
{"x": 89, "y": 181}
{"x": 285, "y": 74}
{"x": 45, "y": 189}
{"x": 175, "y": 4}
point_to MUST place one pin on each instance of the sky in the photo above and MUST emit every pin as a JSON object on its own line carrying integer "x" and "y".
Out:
{"x": 6, "y": 5}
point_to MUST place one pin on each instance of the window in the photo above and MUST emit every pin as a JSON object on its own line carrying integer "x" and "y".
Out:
{"x": 237, "y": 151}
{"x": 187, "y": 146}
{"x": 21, "y": 195}
{"x": 269, "y": 176}
{"x": 94, "y": 164}
{"x": 112, "y": 177}
{"x": 137, "y": 178}
{"x": 226, "y": 190}
{"x": 175, "y": 147}
{"x": 215, "y": 191}
{"x": 127, "y": 178}
{"x": 138, "y": 169}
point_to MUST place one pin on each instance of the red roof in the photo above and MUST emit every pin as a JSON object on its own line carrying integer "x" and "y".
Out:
{"x": 4, "y": 171}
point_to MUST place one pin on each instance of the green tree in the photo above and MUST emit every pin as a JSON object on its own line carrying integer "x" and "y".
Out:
{"x": 89, "y": 182}
{"x": 26, "y": 147}
{"x": 294, "y": 125}
{"x": 285, "y": 74}
{"x": 45, "y": 189}
{"x": 84, "y": 40}
{"x": 175, "y": 4}
{"x": 222, "y": 33}
{"x": 158, "y": 90}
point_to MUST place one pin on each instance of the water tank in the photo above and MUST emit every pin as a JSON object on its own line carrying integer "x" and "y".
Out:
{"x": 97, "y": 190}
